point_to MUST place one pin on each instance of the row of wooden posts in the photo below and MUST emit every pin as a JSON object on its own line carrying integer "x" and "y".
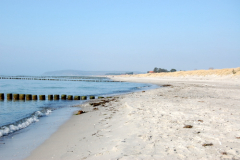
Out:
{"x": 11, "y": 96}
{"x": 50, "y": 79}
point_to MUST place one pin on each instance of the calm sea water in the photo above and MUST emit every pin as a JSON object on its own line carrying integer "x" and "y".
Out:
{"x": 22, "y": 121}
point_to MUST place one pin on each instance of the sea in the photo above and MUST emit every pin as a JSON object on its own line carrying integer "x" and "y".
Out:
{"x": 24, "y": 125}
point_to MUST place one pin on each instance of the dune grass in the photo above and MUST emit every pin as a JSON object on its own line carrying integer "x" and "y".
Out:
{"x": 213, "y": 72}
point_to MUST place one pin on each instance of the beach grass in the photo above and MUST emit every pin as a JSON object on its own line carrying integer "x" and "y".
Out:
{"x": 196, "y": 73}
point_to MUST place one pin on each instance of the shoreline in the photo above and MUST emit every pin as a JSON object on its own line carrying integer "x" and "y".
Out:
{"x": 150, "y": 124}
{"x": 26, "y": 138}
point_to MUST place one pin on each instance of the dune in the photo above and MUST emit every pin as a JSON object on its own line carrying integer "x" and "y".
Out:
{"x": 230, "y": 72}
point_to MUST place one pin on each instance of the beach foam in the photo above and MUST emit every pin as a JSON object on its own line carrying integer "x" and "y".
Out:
{"x": 23, "y": 123}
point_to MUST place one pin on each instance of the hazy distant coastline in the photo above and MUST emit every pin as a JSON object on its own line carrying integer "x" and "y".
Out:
{"x": 82, "y": 73}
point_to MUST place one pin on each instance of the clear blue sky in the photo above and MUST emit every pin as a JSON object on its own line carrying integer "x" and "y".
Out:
{"x": 121, "y": 35}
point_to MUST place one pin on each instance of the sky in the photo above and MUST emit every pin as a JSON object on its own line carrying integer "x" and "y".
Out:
{"x": 118, "y": 35}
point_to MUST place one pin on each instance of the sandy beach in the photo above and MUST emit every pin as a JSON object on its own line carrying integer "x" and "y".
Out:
{"x": 187, "y": 118}
{"x": 64, "y": 64}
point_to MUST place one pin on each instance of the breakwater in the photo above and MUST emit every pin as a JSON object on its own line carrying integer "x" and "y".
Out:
{"x": 59, "y": 78}
{"x": 28, "y": 97}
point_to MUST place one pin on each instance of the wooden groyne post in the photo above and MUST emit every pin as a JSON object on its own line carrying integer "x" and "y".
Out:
{"x": 9, "y": 96}
{"x": 50, "y": 97}
{"x": 56, "y": 97}
{"x": 28, "y": 97}
{"x": 22, "y": 97}
{"x": 63, "y": 96}
{"x": 34, "y": 97}
{"x": 91, "y": 97}
{"x": 1, "y": 96}
{"x": 42, "y": 97}
{"x": 70, "y": 97}
{"x": 76, "y": 97}
{"x": 15, "y": 97}
{"x": 83, "y": 97}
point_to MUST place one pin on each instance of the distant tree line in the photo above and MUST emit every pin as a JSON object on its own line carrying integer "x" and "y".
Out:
{"x": 158, "y": 70}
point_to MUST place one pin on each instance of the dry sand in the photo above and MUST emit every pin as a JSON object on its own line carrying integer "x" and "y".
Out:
{"x": 189, "y": 119}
